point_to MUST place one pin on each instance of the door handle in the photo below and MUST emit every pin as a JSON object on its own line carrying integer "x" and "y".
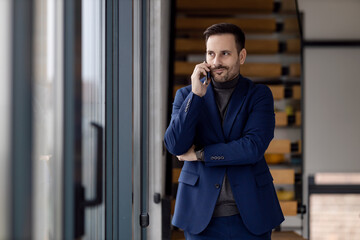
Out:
{"x": 80, "y": 202}
{"x": 97, "y": 200}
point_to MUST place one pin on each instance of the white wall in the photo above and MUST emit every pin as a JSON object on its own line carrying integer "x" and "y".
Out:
{"x": 5, "y": 94}
{"x": 331, "y": 89}
{"x": 332, "y": 111}
{"x": 331, "y": 19}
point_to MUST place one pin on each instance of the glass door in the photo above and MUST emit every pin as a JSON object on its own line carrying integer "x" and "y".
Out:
{"x": 68, "y": 168}
{"x": 93, "y": 114}
{"x": 68, "y": 109}
{"x": 89, "y": 119}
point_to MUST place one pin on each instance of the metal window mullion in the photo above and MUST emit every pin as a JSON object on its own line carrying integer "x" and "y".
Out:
{"x": 137, "y": 91}
{"x": 115, "y": 116}
{"x": 108, "y": 120}
{"x": 22, "y": 133}
{"x": 69, "y": 118}
{"x": 124, "y": 104}
{"x": 144, "y": 221}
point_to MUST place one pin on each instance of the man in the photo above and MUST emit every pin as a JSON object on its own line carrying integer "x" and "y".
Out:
{"x": 220, "y": 128}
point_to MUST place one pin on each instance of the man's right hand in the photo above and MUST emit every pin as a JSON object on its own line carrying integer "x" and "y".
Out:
{"x": 197, "y": 86}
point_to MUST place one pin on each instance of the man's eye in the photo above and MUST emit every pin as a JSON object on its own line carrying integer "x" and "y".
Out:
{"x": 226, "y": 53}
{"x": 211, "y": 54}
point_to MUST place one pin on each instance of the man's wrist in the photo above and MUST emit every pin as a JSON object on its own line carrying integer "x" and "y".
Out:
{"x": 197, "y": 94}
{"x": 200, "y": 154}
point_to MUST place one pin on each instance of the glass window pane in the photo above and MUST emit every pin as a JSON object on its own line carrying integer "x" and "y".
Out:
{"x": 93, "y": 107}
{"x": 5, "y": 68}
{"x": 47, "y": 124}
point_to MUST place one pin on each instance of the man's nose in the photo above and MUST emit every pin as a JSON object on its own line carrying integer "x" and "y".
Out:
{"x": 217, "y": 61}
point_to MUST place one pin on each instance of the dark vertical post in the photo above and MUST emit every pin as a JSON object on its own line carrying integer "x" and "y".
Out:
{"x": 79, "y": 220}
{"x": 125, "y": 118}
{"x": 116, "y": 158}
{"x": 21, "y": 142}
{"x": 144, "y": 216}
{"x": 108, "y": 120}
{"x": 69, "y": 117}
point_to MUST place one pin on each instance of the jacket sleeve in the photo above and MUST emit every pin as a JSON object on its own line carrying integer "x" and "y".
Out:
{"x": 179, "y": 136}
{"x": 256, "y": 137}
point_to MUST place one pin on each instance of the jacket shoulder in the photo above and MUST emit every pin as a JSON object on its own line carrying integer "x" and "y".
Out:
{"x": 183, "y": 92}
{"x": 258, "y": 89}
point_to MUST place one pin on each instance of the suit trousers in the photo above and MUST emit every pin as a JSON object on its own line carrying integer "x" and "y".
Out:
{"x": 227, "y": 228}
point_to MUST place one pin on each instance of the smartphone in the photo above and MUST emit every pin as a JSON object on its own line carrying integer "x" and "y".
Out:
{"x": 208, "y": 76}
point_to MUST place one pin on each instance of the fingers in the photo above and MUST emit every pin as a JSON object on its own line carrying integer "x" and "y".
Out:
{"x": 187, "y": 156}
{"x": 198, "y": 87}
{"x": 198, "y": 71}
{"x": 206, "y": 66}
{"x": 202, "y": 68}
{"x": 206, "y": 82}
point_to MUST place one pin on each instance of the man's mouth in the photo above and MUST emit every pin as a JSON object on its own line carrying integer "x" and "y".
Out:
{"x": 219, "y": 70}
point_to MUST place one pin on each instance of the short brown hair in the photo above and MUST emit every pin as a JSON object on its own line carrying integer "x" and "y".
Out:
{"x": 223, "y": 28}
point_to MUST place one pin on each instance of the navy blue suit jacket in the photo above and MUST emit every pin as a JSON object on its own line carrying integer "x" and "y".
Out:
{"x": 236, "y": 148}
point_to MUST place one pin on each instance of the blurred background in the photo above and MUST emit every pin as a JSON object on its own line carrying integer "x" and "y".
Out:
{"x": 86, "y": 92}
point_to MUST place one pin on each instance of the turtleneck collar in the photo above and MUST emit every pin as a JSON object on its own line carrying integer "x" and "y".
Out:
{"x": 227, "y": 84}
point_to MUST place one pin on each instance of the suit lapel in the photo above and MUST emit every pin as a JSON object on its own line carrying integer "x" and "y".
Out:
{"x": 236, "y": 101}
{"x": 213, "y": 113}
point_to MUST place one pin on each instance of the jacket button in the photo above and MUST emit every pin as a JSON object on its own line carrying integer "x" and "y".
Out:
{"x": 217, "y": 185}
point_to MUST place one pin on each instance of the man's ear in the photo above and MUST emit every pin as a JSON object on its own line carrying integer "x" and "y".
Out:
{"x": 242, "y": 56}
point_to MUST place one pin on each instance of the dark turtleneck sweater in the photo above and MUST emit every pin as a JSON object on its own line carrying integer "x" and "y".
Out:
{"x": 225, "y": 205}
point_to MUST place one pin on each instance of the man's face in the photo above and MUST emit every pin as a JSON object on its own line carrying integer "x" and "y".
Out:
{"x": 222, "y": 55}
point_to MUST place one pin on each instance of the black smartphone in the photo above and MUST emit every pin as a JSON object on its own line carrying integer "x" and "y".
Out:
{"x": 208, "y": 76}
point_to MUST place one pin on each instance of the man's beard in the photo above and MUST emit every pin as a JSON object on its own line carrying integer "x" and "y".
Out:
{"x": 219, "y": 78}
{"x": 227, "y": 76}
{"x": 223, "y": 78}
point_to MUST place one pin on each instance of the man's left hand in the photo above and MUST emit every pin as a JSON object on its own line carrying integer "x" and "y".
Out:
{"x": 189, "y": 155}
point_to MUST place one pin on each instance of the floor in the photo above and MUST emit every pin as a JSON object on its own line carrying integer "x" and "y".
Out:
{"x": 178, "y": 235}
